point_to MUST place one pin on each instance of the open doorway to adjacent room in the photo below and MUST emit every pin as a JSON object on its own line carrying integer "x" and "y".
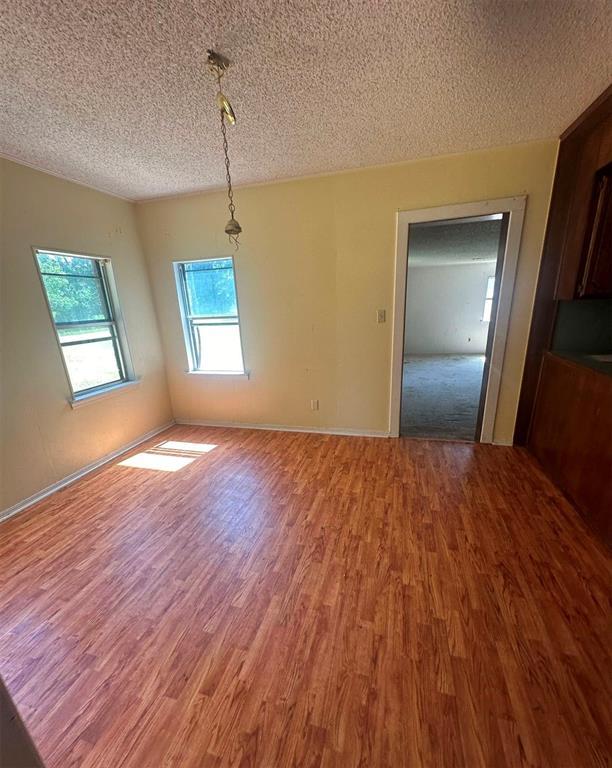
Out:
{"x": 449, "y": 296}
{"x": 455, "y": 269}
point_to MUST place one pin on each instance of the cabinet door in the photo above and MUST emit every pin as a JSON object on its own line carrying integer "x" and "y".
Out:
{"x": 570, "y": 437}
{"x": 596, "y": 274}
{"x": 591, "y": 152}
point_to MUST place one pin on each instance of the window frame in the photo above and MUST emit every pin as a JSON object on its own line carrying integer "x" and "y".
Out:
{"x": 187, "y": 319}
{"x": 488, "y": 302}
{"x": 115, "y": 323}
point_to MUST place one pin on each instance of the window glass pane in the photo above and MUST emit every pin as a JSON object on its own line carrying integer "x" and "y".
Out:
{"x": 210, "y": 288}
{"x": 74, "y": 299}
{"x": 488, "y": 304}
{"x": 219, "y": 348}
{"x": 90, "y": 356}
{"x": 77, "y": 289}
{"x": 59, "y": 264}
{"x": 486, "y": 314}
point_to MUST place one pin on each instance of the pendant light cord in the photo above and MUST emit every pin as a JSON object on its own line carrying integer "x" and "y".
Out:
{"x": 228, "y": 176}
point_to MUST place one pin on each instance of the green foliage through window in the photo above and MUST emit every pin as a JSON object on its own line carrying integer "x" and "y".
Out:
{"x": 211, "y": 290}
{"x": 74, "y": 288}
{"x": 207, "y": 296}
{"x": 77, "y": 290}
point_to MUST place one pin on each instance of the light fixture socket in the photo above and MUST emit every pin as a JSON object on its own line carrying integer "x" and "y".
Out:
{"x": 232, "y": 228}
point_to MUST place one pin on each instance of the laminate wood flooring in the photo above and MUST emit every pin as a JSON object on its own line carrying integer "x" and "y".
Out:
{"x": 286, "y": 599}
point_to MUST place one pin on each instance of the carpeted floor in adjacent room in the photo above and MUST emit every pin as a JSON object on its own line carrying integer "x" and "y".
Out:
{"x": 440, "y": 396}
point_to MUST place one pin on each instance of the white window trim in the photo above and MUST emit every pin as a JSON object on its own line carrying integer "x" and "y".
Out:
{"x": 222, "y": 374}
{"x": 80, "y": 398}
{"x": 191, "y": 369}
{"x": 102, "y": 393}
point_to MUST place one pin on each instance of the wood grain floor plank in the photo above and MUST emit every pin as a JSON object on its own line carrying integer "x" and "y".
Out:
{"x": 310, "y": 601}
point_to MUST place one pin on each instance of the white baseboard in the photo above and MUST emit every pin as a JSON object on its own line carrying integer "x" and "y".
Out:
{"x": 21, "y": 505}
{"x": 286, "y": 428}
{"x": 40, "y": 495}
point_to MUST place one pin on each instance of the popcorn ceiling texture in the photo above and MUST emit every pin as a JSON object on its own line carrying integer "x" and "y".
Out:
{"x": 116, "y": 94}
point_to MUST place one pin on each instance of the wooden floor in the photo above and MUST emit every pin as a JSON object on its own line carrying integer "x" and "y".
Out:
{"x": 306, "y": 600}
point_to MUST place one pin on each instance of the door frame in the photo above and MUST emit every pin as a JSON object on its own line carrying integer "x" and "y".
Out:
{"x": 515, "y": 207}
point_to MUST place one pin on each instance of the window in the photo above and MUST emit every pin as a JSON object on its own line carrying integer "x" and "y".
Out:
{"x": 80, "y": 292}
{"x": 488, "y": 304}
{"x": 207, "y": 297}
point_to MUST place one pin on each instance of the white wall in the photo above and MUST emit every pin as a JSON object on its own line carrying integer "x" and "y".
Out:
{"x": 444, "y": 309}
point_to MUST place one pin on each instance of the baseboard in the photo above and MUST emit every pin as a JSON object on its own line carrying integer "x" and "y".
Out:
{"x": 21, "y": 505}
{"x": 285, "y": 428}
{"x": 40, "y": 495}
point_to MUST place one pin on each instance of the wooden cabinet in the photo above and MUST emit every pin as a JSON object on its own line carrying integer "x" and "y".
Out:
{"x": 571, "y": 436}
{"x": 585, "y": 156}
{"x": 584, "y": 153}
{"x": 565, "y": 410}
{"x": 595, "y": 280}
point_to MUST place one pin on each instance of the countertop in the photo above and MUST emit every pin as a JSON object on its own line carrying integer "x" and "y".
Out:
{"x": 592, "y": 361}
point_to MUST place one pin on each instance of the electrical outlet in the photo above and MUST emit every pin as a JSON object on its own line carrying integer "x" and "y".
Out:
{"x": 314, "y": 405}
{"x": 381, "y": 315}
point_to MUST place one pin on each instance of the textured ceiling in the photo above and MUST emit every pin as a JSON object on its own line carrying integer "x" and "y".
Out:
{"x": 115, "y": 93}
{"x": 458, "y": 242}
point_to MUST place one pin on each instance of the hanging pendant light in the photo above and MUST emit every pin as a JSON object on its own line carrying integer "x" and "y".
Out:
{"x": 218, "y": 65}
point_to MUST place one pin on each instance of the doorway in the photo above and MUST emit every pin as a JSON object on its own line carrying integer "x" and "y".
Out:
{"x": 455, "y": 270}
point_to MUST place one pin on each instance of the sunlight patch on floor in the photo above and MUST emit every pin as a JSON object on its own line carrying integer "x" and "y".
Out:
{"x": 159, "y": 461}
{"x": 169, "y": 456}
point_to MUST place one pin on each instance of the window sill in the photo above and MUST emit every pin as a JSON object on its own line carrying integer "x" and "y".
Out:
{"x": 101, "y": 394}
{"x": 221, "y": 374}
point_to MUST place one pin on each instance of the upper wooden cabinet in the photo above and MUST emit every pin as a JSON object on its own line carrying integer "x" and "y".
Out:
{"x": 595, "y": 278}
{"x": 585, "y": 158}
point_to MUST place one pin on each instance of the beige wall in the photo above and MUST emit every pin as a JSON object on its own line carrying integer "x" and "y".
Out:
{"x": 444, "y": 305}
{"x": 315, "y": 264}
{"x": 43, "y": 438}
